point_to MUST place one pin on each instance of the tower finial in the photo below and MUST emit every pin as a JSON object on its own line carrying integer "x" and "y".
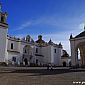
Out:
{"x": 71, "y": 36}
{"x": 84, "y": 27}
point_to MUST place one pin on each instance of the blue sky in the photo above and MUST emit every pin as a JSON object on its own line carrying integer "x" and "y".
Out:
{"x": 55, "y": 19}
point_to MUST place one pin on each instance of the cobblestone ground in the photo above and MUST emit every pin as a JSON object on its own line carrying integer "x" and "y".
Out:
{"x": 40, "y": 76}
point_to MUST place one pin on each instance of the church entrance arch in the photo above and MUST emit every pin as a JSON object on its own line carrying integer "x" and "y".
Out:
{"x": 80, "y": 51}
{"x": 77, "y": 44}
{"x": 27, "y": 54}
{"x": 26, "y": 61}
{"x": 64, "y": 64}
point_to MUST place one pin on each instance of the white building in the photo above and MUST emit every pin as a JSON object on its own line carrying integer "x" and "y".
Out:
{"x": 26, "y": 51}
{"x": 65, "y": 59}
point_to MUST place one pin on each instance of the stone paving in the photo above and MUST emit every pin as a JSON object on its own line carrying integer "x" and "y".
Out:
{"x": 40, "y": 76}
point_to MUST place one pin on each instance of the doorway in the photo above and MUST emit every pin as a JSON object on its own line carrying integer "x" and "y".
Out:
{"x": 26, "y": 61}
{"x": 64, "y": 64}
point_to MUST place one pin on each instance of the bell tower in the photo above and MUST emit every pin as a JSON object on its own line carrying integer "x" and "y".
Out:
{"x": 3, "y": 34}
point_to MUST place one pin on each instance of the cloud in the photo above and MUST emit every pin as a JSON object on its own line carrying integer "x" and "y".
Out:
{"x": 24, "y": 25}
{"x": 52, "y": 22}
{"x": 49, "y": 21}
{"x": 27, "y": 24}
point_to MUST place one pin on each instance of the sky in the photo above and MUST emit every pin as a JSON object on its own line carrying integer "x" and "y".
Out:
{"x": 55, "y": 19}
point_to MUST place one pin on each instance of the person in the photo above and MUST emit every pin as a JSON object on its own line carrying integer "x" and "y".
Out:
{"x": 48, "y": 67}
{"x": 51, "y": 67}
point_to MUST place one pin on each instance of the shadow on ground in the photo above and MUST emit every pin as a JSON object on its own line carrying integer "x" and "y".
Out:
{"x": 39, "y": 72}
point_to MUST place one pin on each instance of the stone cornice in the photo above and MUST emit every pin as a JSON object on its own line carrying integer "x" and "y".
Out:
{"x": 80, "y": 38}
{"x": 4, "y": 25}
{"x": 14, "y": 39}
{"x": 13, "y": 51}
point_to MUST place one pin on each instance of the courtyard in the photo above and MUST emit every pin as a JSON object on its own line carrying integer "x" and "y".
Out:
{"x": 40, "y": 76}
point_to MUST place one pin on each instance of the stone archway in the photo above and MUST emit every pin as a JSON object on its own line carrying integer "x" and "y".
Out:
{"x": 27, "y": 54}
{"x": 64, "y": 64}
{"x": 76, "y": 43}
{"x": 27, "y": 49}
{"x": 81, "y": 47}
{"x": 26, "y": 61}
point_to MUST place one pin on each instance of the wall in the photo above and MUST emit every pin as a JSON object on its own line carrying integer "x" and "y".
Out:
{"x": 13, "y": 54}
{"x": 57, "y": 56}
{"x": 3, "y": 48}
{"x": 46, "y": 51}
{"x": 15, "y": 45}
{"x": 67, "y": 60}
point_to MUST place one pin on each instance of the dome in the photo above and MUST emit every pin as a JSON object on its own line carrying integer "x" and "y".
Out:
{"x": 40, "y": 39}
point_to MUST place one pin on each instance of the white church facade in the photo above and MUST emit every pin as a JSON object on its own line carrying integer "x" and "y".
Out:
{"x": 26, "y": 51}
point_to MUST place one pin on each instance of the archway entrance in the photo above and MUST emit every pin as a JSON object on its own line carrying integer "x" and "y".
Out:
{"x": 78, "y": 49}
{"x": 81, "y": 55}
{"x": 64, "y": 64}
{"x": 26, "y": 61}
{"x": 37, "y": 61}
{"x": 27, "y": 55}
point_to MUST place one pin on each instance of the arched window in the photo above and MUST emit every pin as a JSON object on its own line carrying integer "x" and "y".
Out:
{"x": 54, "y": 50}
{"x": 79, "y": 54}
{"x": 36, "y": 50}
{"x": 11, "y": 45}
{"x": 25, "y": 51}
{"x": 14, "y": 59}
{"x": 2, "y": 19}
{"x": 64, "y": 64}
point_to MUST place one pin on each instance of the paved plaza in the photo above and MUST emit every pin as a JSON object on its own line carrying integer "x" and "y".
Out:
{"x": 40, "y": 76}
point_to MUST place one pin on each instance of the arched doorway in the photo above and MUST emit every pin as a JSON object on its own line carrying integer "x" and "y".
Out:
{"x": 27, "y": 50}
{"x": 37, "y": 61}
{"x": 26, "y": 61}
{"x": 27, "y": 54}
{"x": 64, "y": 64}
{"x": 81, "y": 54}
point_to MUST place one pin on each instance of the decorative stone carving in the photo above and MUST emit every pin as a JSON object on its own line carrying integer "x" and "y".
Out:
{"x": 28, "y": 38}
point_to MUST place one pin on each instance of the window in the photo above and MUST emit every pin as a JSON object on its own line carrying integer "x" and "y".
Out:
{"x": 54, "y": 50}
{"x": 14, "y": 59}
{"x": 11, "y": 45}
{"x": 36, "y": 50}
{"x": 36, "y": 61}
{"x": 2, "y": 19}
{"x": 25, "y": 51}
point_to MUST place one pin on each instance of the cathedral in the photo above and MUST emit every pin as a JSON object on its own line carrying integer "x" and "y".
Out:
{"x": 26, "y": 51}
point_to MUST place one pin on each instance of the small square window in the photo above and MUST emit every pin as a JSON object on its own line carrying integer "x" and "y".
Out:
{"x": 54, "y": 50}
{"x": 25, "y": 51}
{"x": 2, "y": 19}
{"x": 36, "y": 50}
